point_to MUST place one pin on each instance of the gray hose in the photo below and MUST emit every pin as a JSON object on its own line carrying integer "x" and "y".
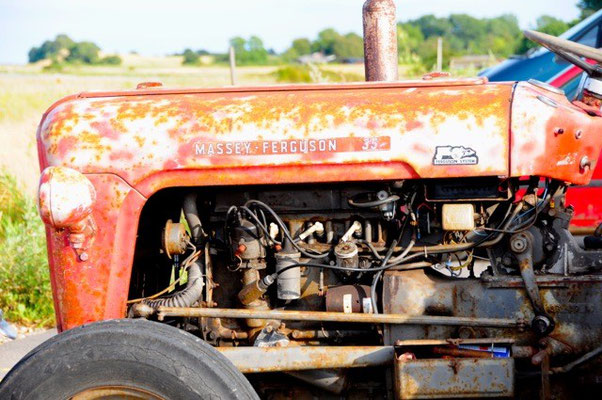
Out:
{"x": 187, "y": 296}
{"x": 191, "y": 213}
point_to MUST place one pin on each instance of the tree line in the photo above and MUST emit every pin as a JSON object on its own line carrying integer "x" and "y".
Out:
{"x": 65, "y": 50}
{"x": 462, "y": 34}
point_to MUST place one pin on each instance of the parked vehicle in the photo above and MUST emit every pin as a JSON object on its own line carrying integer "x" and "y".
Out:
{"x": 543, "y": 65}
{"x": 376, "y": 240}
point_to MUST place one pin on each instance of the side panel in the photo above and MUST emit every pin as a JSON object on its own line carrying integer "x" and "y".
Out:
{"x": 551, "y": 137}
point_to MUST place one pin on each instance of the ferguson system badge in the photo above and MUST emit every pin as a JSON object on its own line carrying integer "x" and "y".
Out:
{"x": 455, "y": 155}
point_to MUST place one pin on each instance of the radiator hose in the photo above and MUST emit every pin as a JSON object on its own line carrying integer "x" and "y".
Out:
{"x": 187, "y": 296}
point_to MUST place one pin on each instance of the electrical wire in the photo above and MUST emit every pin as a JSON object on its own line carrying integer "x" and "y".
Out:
{"x": 375, "y": 203}
{"x": 260, "y": 224}
{"x": 285, "y": 230}
{"x": 185, "y": 265}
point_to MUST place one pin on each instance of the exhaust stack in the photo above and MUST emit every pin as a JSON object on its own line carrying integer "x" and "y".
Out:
{"x": 380, "y": 40}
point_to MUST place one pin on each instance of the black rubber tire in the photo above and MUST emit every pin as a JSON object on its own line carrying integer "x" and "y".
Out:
{"x": 139, "y": 354}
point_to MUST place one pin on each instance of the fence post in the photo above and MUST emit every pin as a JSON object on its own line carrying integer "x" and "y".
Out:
{"x": 232, "y": 66}
{"x": 439, "y": 54}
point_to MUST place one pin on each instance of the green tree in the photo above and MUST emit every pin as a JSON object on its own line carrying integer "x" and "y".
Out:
{"x": 111, "y": 60}
{"x": 50, "y": 49}
{"x": 302, "y": 46}
{"x": 433, "y": 26}
{"x": 248, "y": 52}
{"x": 409, "y": 37}
{"x": 349, "y": 46}
{"x": 504, "y": 35}
{"x": 330, "y": 42}
{"x": 256, "y": 52}
{"x": 299, "y": 47}
{"x": 588, "y": 7}
{"x": 546, "y": 24}
{"x": 325, "y": 41}
{"x": 83, "y": 52}
{"x": 191, "y": 57}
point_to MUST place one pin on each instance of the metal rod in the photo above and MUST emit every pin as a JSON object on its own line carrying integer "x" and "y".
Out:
{"x": 380, "y": 40}
{"x": 395, "y": 319}
{"x": 586, "y": 357}
{"x": 273, "y": 359}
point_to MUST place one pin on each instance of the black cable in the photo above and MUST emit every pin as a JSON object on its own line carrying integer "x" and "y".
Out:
{"x": 285, "y": 230}
{"x": 373, "y": 249}
{"x": 348, "y": 269}
{"x": 375, "y": 203}
{"x": 258, "y": 222}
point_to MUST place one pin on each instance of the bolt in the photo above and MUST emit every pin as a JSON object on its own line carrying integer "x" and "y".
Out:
{"x": 382, "y": 195}
{"x": 585, "y": 163}
{"x": 542, "y": 325}
{"x": 519, "y": 243}
{"x": 83, "y": 256}
{"x": 578, "y": 134}
{"x": 558, "y": 131}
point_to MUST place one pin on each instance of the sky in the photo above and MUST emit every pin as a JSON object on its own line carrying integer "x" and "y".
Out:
{"x": 159, "y": 27}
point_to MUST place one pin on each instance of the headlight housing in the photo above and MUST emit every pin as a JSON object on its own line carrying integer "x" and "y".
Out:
{"x": 65, "y": 198}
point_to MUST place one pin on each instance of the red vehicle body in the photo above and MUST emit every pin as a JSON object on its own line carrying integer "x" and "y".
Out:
{"x": 588, "y": 213}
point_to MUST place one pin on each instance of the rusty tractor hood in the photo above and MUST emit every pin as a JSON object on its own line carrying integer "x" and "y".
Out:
{"x": 286, "y": 134}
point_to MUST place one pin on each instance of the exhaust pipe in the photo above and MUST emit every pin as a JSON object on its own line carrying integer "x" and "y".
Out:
{"x": 380, "y": 40}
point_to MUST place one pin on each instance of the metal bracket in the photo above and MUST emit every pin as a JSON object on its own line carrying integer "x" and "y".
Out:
{"x": 521, "y": 245}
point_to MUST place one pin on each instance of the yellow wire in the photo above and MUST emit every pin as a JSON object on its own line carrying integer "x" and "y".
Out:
{"x": 191, "y": 259}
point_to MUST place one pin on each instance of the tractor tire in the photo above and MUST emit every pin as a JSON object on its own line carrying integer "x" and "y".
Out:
{"x": 133, "y": 359}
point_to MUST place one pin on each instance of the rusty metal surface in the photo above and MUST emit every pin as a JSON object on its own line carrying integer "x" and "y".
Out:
{"x": 454, "y": 378}
{"x": 397, "y": 319}
{"x": 96, "y": 288}
{"x": 569, "y": 300}
{"x": 272, "y": 359}
{"x": 380, "y": 40}
{"x": 536, "y": 146}
{"x": 154, "y": 140}
{"x": 347, "y": 297}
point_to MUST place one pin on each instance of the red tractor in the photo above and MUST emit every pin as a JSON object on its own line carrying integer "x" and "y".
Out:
{"x": 388, "y": 239}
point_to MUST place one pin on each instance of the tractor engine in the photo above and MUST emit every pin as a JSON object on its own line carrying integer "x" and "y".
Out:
{"x": 495, "y": 252}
